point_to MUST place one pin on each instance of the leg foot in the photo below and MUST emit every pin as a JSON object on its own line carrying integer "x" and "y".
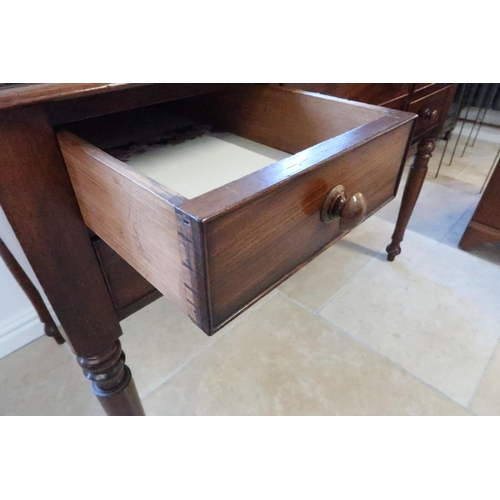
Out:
{"x": 51, "y": 330}
{"x": 412, "y": 190}
{"x": 112, "y": 382}
{"x": 393, "y": 250}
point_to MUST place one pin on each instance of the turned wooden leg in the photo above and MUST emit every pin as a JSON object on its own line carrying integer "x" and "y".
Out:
{"x": 38, "y": 199}
{"x": 112, "y": 382}
{"x": 412, "y": 190}
{"x": 31, "y": 292}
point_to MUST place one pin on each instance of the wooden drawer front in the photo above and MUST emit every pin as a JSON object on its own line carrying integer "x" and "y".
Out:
{"x": 256, "y": 246}
{"x": 431, "y": 111}
{"x": 128, "y": 289}
{"x": 214, "y": 254}
{"x": 422, "y": 89}
{"x": 419, "y": 86}
{"x": 371, "y": 93}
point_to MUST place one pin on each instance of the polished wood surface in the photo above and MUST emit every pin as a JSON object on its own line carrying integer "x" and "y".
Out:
{"x": 38, "y": 199}
{"x": 112, "y": 382}
{"x": 252, "y": 247}
{"x": 213, "y": 255}
{"x": 132, "y": 214}
{"x": 430, "y": 101}
{"x": 430, "y": 111}
{"x": 322, "y": 118}
{"x": 371, "y": 93}
{"x": 413, "y": 186}
{"x": 484, "y": 226}
{"x": 124, "y": 98}
{"x": 350, "y": 211}
{"x": 284, "y": 119}
{"x": 38, "y": 93}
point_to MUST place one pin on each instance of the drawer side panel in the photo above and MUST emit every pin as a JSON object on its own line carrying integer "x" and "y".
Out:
{"x": 136, "y": 222}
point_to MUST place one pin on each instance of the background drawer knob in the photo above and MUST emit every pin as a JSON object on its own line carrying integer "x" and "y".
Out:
{"x": 351, "y": 211}
{"x": 428, "y": 114}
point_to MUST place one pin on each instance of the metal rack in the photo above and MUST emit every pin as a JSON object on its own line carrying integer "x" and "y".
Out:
{"x": 484, "y": 96}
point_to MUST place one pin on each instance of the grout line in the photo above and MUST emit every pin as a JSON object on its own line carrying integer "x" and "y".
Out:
{"x": 347, "y": 282}
{"x": 345, "y": 332}
{"x": 192, "y": 358}
{"x": 458, "y": 221}
{"x": 219, "y": 334}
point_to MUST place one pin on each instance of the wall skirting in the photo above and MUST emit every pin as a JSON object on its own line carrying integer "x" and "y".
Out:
{"x": 19, "y": 332}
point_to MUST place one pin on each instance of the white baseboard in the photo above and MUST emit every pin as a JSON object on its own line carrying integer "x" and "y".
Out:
{"x": 20, "y": 332}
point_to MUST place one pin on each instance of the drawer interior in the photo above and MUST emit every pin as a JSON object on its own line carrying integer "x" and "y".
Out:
{"x": 215, "y": 199}
{"x": 197, "y": 160}
{"x": 203, "y": 143}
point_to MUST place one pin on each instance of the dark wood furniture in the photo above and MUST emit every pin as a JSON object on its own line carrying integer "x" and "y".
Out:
{"x": 484, "y": 226}
{"x": 104, "y": 239}
{"x": 23, "y": 280}
{"x": 430, "y": 101}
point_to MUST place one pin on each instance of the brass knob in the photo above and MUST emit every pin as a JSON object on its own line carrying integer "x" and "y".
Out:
{"x": 351, "y": 212}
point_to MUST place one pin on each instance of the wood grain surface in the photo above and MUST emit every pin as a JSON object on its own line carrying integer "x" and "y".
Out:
{"x": 38, "y": 199}
{"x": 252, "y": 247}
{"x": 128, "y": 289}
{"x": 38, "y": 93}
{"x": 372, "y": 93}
{"x": 213, "y": 255}
{"x": 131, "y": 213}
{"x": 285, "y": 119}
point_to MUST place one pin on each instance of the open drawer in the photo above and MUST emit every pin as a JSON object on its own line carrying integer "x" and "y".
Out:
{"x": 223, "y": 217}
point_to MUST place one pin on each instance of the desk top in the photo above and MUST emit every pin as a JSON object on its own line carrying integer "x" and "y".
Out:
{"x": 22, "y": 94}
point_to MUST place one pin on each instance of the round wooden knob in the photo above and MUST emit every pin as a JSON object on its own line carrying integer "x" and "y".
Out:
{"x": 351, "y": 211}
{"x": 429, "y": 114}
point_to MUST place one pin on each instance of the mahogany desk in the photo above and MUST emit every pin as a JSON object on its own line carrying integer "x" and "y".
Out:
{"x": 105, "y": 240}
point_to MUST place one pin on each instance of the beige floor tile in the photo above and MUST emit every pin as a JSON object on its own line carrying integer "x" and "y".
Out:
{"x": 457, "y": 160}
{"x": 487, "y": 398}
{"x": 431, "y": 325}
{"x": 44, "y": 378}
{"x": 284, "y": 360}
{"x": 316, "y": 282}
{"x": 471, "y": 180}
{"x": 457, "y": 231}
{"x": 157, "y": 341}
{"x": 466, "y": 275}
{"x": 447, "y": 173}
{"x": 437, "y": 210}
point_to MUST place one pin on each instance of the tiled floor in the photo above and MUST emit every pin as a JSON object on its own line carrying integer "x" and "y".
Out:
{"x": 349, "y": 334}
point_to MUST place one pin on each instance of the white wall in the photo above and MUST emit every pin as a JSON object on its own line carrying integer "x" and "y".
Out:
{"x": 19, "y": 323}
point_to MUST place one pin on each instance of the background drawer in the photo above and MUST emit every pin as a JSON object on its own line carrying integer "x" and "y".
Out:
{"x": 431, "y": 111}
